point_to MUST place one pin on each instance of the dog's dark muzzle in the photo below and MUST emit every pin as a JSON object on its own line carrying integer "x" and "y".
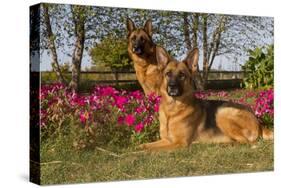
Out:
{"x": 173, "y": 89}
{"x": 138, "y": 48}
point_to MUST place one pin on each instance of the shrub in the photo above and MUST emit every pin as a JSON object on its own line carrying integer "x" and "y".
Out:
{"x": 111, "y": 52}
{"x": 261, "y": 102}
{"x": 110, "y": 117}
{"x": 260, "y": 66}
{"x": 106, "y": 116}
{"x": 264, "y": 108}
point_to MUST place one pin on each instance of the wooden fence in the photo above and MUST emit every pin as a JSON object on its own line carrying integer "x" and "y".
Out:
{"x": 216, "y": 79}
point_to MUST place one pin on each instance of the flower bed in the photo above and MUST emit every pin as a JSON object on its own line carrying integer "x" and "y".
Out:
{"x": 110, "y": 116}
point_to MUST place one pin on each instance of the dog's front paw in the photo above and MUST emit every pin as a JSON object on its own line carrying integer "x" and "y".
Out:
{"x": 142, "y": 147}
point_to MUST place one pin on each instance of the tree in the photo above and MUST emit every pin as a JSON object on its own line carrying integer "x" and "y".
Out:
{"x": 51, "y": 44}
{"x": 222, "y": 35}
{"x": 70, "y": 24}
{"x": 78, "y": 28}
{"x": 111, "y": 52}
{"x": 79, "y": 15}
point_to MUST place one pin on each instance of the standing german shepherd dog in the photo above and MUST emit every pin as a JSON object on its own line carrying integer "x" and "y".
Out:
{"x": 142, "y": 51}
{"x": 185, "y": 119}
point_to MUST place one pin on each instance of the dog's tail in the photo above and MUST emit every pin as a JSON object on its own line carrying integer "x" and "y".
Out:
{"x": 267, "y": 134}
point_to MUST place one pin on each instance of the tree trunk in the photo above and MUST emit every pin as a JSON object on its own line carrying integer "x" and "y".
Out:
{"x": 217, "y": 40}
{"x": 52, "y": 46}
{"x": 76, "y": 64}
{"x": 79, "y": 31}
{"x": 205, "y": 49}
{"x": 210, "y": 54}
{"x": 186, "y": 28}
{"x": 195, "y": 30}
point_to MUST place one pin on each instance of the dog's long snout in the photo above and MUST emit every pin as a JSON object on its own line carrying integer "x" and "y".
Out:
{"x": 173, "y": 88}
{"x": 172, "y": 83}
{"x": 138, "y": 47}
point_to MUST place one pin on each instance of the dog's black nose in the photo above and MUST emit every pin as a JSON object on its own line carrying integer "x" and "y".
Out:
{"x": 172, "y": 83}
{"x": 137, "y": 50}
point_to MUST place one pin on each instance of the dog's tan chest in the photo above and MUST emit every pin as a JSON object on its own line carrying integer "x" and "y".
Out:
{"x": 148, "y": 76}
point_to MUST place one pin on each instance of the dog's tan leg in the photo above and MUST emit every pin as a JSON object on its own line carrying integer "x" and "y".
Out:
{"x": 156, "y": 144}
{"x": 163, "y": 124}
{"x": 163, "y": 144}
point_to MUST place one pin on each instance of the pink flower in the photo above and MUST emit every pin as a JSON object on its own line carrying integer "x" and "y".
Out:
{"x": 130, "y": 120}
{"x": 137, "y": 95}
{"x": 120, "y": 120}
{"x": 156, "y": 107}
{"x": 107, "y": 91}
{"x": 84, "y": 116}
{"x": 222, "y": 94}
{"x": 264, "y": 104}
{"x": 201, "y": 95}
{"x": 140, "y": 109}
{"x": 120, "y": 101}
{"x": 148, "y": 120}
{"x": 139, "y": 127}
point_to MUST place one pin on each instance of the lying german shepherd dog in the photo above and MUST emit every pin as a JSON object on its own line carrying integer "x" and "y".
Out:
{"x": 142, "y": 51}
{"x": 185, "y": 119}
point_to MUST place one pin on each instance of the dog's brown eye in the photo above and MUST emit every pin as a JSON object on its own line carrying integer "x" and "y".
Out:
{"x": 141, "y": 38}
{"x": 134, "y": 38}
{"x": 169, "y": 74}
{"x": 182, "y": 76}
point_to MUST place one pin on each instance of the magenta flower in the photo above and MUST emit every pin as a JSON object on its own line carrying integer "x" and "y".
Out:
{"x": 84, "y": 116}
{"x": 156, "y": 107}
{"x": 130, "y": 120}
{"x": 264, "y": 104}
{"x": 222, "y": 94}
{"x": 120, "y": 101}
{"x": 137, "y": 95}
{"x": 120, "y": 120}
{"x": 139, "y": 127}
{"x": 140, "y": 109}
{"x": 107, "y": 91}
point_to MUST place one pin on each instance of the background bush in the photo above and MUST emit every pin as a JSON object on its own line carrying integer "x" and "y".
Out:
{"x": 260, "y": 65}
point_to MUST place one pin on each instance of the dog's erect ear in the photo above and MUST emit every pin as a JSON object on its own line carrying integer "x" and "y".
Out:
{"x": 192, "y": 60}
{"x": 130, "y": 26}
{"x": 148, "y": 27}
{"x": 162, "y": 57}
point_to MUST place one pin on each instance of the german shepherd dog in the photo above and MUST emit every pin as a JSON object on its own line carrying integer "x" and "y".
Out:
{"x": 142, "y": 51}
{"x": 185, "y": 119}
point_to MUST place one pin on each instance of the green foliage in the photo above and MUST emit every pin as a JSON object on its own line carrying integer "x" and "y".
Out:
{"x": 111, "y": 52}
{"x": 149, "y": 134}
{"x": 260, "y": 65}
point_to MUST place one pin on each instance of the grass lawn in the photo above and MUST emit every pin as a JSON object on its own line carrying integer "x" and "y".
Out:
{"x": 62, "y": 165}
